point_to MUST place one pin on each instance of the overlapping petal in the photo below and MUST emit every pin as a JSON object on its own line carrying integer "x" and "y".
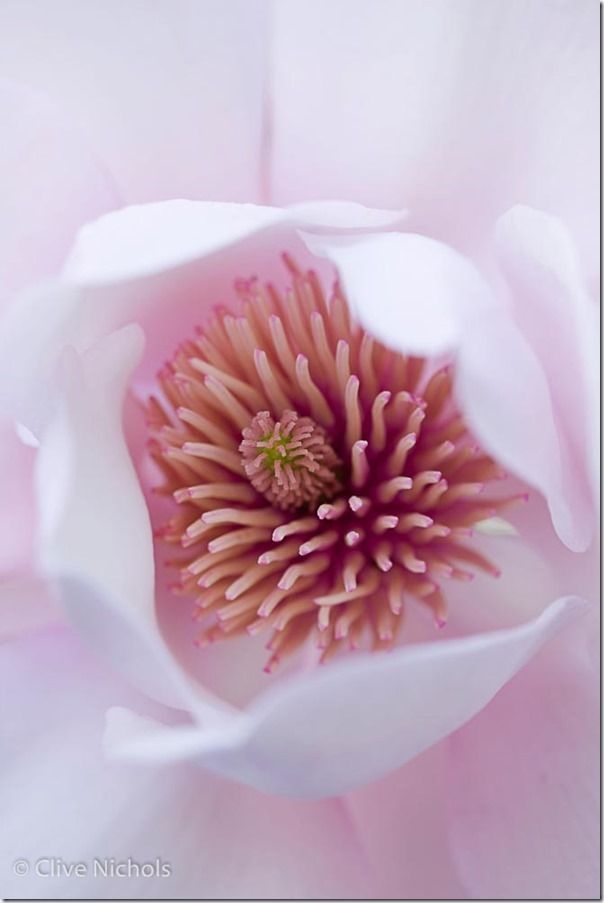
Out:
{"x": 556, "y": 314}
{"x": 128, "y": 266}
{"x": 96, "y": 536}
{"x": 420, "y": 296}
{"x": 329, "y": 731}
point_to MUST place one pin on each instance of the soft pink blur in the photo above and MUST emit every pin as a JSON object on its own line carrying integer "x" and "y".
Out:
{"x": 456, "y": 111}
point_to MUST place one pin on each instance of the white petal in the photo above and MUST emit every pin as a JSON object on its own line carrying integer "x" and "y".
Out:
{"x": 407, "y": 289}
{"x": 146, "y": 239}
{"x": 337, "y": 728}
{"x": 506, "y": 399}
{"x": 86, "y": 482}
{"x": 95, "y": 534}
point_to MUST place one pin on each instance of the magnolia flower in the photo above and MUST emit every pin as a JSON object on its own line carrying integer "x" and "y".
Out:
{"x": 356, "y": 435}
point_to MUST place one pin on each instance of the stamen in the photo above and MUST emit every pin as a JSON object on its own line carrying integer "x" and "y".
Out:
{"x": 320, "y": 481}
{"x": 331, "y": 512}
{"x": 323, "y": 541}
{"x": 378, "y": 422}
{"x": 396, "y": 461}
{"x": 360, "y": 505}
{"x": 364, "y": 589}
{"x": 388, "y": 490}
{"x": 360, "y": 464}
{"x": 275, "y": 394}
{"x": 295, "y": 571}
{"x": 385, "y": 522}
{"x": 318, "y": 405}
{"x": 304, "y": 525}
{"x": 353, "y": 564}
{"x": 353, "y": 414}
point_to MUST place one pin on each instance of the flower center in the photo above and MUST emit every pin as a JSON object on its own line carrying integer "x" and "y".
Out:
{"x": 289, "y": 461}
{"x": 322, "y": 481}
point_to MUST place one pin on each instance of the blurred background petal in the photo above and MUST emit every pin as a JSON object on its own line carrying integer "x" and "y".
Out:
{"x": 167, "y": 95}
{"x": 455, "y": 109}
{"x": 523, "y": 781}
{"x": 50, "y": 183}
{"x": 61, "y": 799}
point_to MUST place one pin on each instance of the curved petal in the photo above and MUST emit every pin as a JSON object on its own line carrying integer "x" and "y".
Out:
{"x": 458, "y": 109}
{"x": 26, "y": 599}
{"x": 509, "y": 406}
{"x": 523, "y": 785}
{"x": 60, "y": 799}
{"x": 407, "y": 289}
{"x": 560, "y": 320}
{"x": 145, "y": 239}
{"x": 81, "y": 470}
{"x": 50, "y": 185}
{"x": 128, "y": 265}
{"x": 196, "y": 133}
{"x": 95, "y": 535}
{"x": 422, "y": 297}
{"x": 337, "y": 728}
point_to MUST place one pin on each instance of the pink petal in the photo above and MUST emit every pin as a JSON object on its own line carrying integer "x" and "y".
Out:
{"x": 61, "y": 799}
{"x": 27, "y": 604}
{"x": 457, "y": 110}
{"x": 170, "y": 96}
{"x": 329, "y": 731}
{"x": 523, "y": 784}
{"x": 402, "y": 823}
